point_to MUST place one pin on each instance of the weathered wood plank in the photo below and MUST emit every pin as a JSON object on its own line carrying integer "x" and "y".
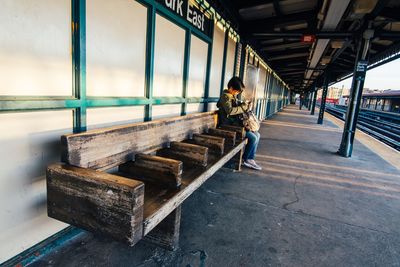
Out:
{"x": 110, "y": 147}
{"x": 230, "y": 136}
{"x": 240, "y": 131}
{"x": 166, "y": 233}
{"x": 96, "y": 201}
{"x": 189, "y": 154}
{"x": 160, "y": 202}
{"x": 154, "y": 169}
{"x": 214, "y": 143}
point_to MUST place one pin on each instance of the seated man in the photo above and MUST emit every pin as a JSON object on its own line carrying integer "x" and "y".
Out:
{"x": 230, "y": 110}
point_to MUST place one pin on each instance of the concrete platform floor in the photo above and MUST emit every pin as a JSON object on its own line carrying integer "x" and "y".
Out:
{"x": 307, "y": 207}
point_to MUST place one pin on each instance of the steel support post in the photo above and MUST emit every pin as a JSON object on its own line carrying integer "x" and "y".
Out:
{"x": 314, "y": 100}
{"x": 301, "y": 101}
{"x": 360, "y": 69}
{"x": 323, "y": 99}
{"x": 309, "y": 101}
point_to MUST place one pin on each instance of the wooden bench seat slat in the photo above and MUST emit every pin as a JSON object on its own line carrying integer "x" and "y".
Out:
{"x": 189, "y": 154}
{"x": 230, "y": 136}
{"x": 154, "y": 169}
{"x": 240, "y": 131}
{"x": 214, "y": 143}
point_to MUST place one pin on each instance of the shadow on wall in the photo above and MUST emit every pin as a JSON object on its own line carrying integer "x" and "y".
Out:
{"x": 24, "y": 159}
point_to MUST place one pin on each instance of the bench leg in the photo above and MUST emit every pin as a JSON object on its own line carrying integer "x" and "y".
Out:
{"x": 235, "y": 163}
{"x": 166, "y": 233}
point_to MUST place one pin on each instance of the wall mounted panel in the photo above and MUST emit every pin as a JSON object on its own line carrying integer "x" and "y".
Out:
{"x": 116, "y": 48}
{"x": 216, "y": 64}
{"x": 197, "y": 67}
{"x": 35, "y": 48}
{"x": 105, "y": 117}
{"x": 168, "y": 58}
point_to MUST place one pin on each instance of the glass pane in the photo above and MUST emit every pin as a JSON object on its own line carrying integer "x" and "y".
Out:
{"x": 35, "y": 47}
{"x": 197, "y": 67}
{"x": 216, "y": 64}
{"x": 212, "y": 106}
{"x": 116, "y": 48}
{"x": 169, "y": 53}
{"x": 166, "y": 111}
{"x": 230, "y": 61}
{"x": 262, "y": 75}
{"x": 105, "y": 117}
{"x": 194, "y": 108}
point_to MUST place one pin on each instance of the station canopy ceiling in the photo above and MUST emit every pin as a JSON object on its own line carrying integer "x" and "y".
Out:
{"x": 299, "y": 39}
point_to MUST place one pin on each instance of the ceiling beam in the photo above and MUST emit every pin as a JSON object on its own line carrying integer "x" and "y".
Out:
{"x": 288, "y": 56}
{"x": 300, "y": 34}
{"x": 268, "y": 24}
{"x": 285, "y": 46}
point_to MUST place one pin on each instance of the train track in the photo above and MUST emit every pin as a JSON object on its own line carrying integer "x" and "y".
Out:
{"x": 382, "y": 126}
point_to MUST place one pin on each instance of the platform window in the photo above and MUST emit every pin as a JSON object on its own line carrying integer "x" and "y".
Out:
{"x": 105, "y": 117}
{"x": 194, "y": 108}
{"x": 29, "y": 141}
{"x": 169, "y": 56}
{"x": 262, "y": 76}
{"x": 197, "y": 67}
{"x": 216, "y": 64}
{"x": 212, "y": 106}
{"x": 115, "y": 48}
{"x": 230, "y": 61}
{"x": 166, "y": 111}
{"x": 35, "y": 48}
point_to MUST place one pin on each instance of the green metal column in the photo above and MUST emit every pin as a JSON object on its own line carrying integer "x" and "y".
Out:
{"x": 360, "y": 69}
{"x": 243, "y": 61}
{"x": 186, "y": 66}
{"x": 323, "y": 99}
{"x": 208, "y": 71}
{"x": 151, "y": 28}
{"x": 301, "y": 101}
{"x": 79, "y": 63}
{"x": 314, "y": 100}
{"x": 224, "y": 60}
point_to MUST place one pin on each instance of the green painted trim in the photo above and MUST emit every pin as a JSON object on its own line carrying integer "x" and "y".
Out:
{"x": 112, "y": 102}
{"x": 224, "y": 61}
{"x": 79, "y": 62}
{"x": 31, "y": 105}
{"x": 195, "y": 100}
{"x": 32, "y": 97}
{"x": 167, "y": 100}
{"x": 150, "y": 36}
{"x": 243, "y": 61}
{"x": 186, "y": 66}
{"x": 236, "y": 58}
{"x": 208, "y": 71}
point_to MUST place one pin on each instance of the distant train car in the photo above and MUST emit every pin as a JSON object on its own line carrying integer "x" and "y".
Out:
{"x": 385, "y": 101}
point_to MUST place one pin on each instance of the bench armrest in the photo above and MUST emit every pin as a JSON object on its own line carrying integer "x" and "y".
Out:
{"x": 96, "y": 201}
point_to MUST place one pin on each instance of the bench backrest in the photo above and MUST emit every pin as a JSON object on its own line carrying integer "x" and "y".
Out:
{"x": 109, "y": 147}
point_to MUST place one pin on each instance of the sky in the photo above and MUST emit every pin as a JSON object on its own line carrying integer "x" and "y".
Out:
{"x": 383, "y": 77}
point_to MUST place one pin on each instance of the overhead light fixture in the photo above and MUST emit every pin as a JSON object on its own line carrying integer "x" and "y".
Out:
{"x": 337, "y": 44}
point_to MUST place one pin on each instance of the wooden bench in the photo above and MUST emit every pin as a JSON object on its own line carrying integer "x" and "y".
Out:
{"x": 128, "y": 182}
